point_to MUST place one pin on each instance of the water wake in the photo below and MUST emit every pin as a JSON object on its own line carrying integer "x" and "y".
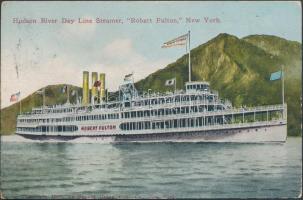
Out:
{"x": 85, "y": 140}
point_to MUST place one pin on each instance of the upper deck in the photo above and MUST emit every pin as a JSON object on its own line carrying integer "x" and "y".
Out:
{"x": 132, "y": 110}
{"x": 143, "y": 101}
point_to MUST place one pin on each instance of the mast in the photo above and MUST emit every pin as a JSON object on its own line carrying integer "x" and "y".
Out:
{"x": 67, "y": 90}
{"x": 175, "y": 84}
{"x": 282, "y": 84}
{"x": 20, "y": 104}
{"x": 43, "y": 98}
{"x": 189, "y": 67}
{"x": 282, "y": 73}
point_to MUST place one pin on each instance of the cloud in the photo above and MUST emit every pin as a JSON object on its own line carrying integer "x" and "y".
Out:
{"x": 121, "y": 58}
{"x": 123, "y": 47}
{"x": 54, "y": 70}
{"x": 116, "y": 59}
{"x": 121, "y": 52}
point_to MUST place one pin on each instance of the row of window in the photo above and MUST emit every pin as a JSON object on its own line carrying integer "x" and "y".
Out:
{"x": 68, "y": 128}
{"x": 69, "y": 119}
{"x": 65, "y": 110}
{"x": 169, "y": 111}
{"x": 198, "y": 86}
{"x": 176, "y": 99}
{"x": 98, "y": 117}
{"x": 64, "y": 119}
{"x": 174, "y": 123}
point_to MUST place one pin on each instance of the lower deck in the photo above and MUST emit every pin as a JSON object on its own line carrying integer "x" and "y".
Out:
{"x": 262, "y": 133}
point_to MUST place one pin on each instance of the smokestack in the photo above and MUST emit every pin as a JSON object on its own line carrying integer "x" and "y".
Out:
{"x": 102, "y": 87}
{"x": 85, "y": 88}
{"x": 94, "y": 89}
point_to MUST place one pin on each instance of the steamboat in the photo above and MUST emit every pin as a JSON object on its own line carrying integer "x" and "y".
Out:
{"x": 194, "y": 114}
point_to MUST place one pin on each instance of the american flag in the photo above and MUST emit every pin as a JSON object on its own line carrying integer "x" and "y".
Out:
{"x": 14, "y": 97}
{"x": 179, "y": 41}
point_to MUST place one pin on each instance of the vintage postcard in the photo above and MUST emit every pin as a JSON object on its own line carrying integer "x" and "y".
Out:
{"x": 156, "y": 99}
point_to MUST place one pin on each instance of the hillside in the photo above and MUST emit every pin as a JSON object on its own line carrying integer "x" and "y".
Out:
{"x": 288, "y": 51}
{"x": 239, "y": 69}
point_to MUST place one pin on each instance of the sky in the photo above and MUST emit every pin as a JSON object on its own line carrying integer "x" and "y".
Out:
{"x": 36, "y": 55}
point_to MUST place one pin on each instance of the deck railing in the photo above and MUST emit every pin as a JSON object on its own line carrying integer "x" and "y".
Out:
{"x": 224, "y": 113}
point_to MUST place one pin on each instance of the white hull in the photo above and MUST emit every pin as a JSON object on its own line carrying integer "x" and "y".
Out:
{"x": 260, "y": 134}
{"x": 264, "y": 134}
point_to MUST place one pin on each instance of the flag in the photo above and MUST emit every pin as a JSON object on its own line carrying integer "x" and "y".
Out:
{"x": 170, "y": 82}
{"x": 64, "y": 89}
{"x": 179, "y": 41}
{"x": 276, "y": 75}
{"x": 128, "y": 76}
{"x": 14, "y": 97}
{"x": 97, "y": 84}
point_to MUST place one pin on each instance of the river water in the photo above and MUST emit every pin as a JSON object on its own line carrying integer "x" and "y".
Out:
{"x": 149, "y": 170}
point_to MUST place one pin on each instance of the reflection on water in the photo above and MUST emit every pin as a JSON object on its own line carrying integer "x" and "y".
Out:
{"x": 152, "y": 170}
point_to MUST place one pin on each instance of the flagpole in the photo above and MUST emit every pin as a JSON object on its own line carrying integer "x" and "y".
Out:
{"x": 20, "y": 105}
{"x": 175, "y": 84}
{"x": 133, "y": 83}
{"x": 43, "y": 98}
{"x": 189, "y": 67}
{"x": 67, "y": 90}
{"x": 283, "y": 90}
{"x": 283, "y": 84}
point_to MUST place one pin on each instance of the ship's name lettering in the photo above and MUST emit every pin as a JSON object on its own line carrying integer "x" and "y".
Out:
{"x": 98, "y": 128}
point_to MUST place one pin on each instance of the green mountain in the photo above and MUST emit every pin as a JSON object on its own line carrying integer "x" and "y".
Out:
{"x": 239, "y": 69}
{"x": 288, "y": 51}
